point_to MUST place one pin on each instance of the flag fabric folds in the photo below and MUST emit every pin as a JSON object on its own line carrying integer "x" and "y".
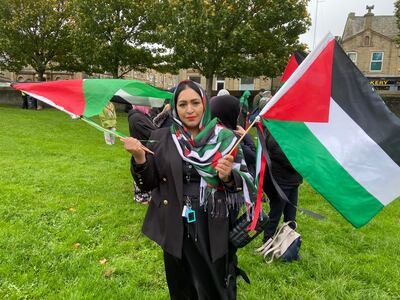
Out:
{"x": 88, "y": 97}
{"x": 338, "y": 133}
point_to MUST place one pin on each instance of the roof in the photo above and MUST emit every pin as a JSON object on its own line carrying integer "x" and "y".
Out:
{"x": 385, "y": 25}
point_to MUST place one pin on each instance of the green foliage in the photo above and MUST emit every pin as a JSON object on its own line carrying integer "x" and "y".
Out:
{"x": 110, "y": 36}
{"x": 33, "y": 32}
{"x": 60, "y": 185}
{"x": 397, "y": 13}
{"x": 232, "y": 38}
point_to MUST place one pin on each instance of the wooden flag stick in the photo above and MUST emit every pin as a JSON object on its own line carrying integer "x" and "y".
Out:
{"x": 112, "y": 132}
{"x": 246, "y": 132}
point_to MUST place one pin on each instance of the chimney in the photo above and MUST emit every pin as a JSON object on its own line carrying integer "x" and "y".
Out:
{"x": 368, "y": 16}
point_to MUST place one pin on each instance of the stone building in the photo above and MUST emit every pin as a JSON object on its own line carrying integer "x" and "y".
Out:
{"x": 231, "y": 84}
{"x": 370, "y": 42}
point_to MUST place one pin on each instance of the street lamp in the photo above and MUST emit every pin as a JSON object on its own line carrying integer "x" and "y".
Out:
{"x": 316, "y": 18}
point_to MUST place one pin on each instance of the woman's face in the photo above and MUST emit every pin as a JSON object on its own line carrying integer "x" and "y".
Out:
{"x": 190, "y": 108}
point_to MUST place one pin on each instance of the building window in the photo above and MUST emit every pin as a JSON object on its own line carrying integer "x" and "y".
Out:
{"x": 220, "y": 83}
{"x": 247, "y": 83}
{"x": 366, "y": 41}
{"x": 352, "y": 56}
{"x": 376, "y": 61}
{"x": 195, "y": 79}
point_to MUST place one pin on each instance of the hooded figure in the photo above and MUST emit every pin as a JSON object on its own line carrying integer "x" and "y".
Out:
{"x": 244, "y": 109}
{"x": 227, "y": 109}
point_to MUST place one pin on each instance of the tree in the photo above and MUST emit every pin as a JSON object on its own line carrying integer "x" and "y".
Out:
{"x": 33, "y": 33}
{"x": 397, "y": 13}
{"x": 110, "y": 36}
{"x": 232, "y": 38}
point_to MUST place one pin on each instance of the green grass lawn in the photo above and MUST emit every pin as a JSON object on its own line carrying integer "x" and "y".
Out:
{"x": 66, "y": 204}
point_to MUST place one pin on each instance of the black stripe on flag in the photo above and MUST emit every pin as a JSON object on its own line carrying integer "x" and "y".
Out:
{"x": 352, "y": 92}
{"x": 299, "y": 56}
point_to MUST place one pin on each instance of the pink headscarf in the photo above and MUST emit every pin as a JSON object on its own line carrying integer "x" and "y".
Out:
{"x": 143, "y": 109}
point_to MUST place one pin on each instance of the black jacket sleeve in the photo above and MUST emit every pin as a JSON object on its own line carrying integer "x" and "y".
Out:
{"x": 145, "y": 175}
{"x": 140, "y": 126}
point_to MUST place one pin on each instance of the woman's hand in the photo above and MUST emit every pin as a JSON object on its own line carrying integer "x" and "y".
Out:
{"x": 134, "y": 147}
{"x": 224, "y": 168}
{"x": 240, "y": 130}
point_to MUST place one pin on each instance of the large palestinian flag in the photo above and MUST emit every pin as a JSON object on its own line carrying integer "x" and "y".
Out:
{"x": 88, "y": 97}
{"x": 338, "y": 133}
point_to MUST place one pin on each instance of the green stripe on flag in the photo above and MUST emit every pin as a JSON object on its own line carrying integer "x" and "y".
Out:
{"x": 313, "y": 161}
{"x": 98, "y": 92}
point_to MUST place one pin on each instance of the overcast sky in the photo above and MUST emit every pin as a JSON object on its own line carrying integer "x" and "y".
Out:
{"x": 332, "y": 15}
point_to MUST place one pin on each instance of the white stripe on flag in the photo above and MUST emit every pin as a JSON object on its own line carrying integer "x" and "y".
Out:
{"x": 359, "y": 155}
{"x": 49, "y": 102}
{"x": 139, "y": 100}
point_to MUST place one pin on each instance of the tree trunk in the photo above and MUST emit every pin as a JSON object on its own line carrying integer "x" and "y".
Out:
{"x": 41, "y": 75}
{"x": 209, "y": 82}
{"x": 272, "y": 86}
{"x": 115, "y": 72}
{"x": 40, "y": 72}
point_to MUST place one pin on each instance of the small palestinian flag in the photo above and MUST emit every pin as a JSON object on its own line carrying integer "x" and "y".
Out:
{"x": 295, "y": 60}
{"x": 88, "y": 97}
{"x": 338, "y": 133}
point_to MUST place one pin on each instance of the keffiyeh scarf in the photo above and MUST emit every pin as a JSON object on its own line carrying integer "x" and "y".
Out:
{"x": 203, "y": 152}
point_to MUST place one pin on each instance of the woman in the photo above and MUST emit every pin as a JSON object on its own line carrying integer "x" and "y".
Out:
{"x": 140, "y": 127}
{"x": 194, "y": 186}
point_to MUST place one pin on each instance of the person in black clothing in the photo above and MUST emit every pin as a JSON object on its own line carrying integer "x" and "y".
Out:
{"x": 227, "y": 108}
{"x": 288, "y": 180}
{"x": 140, "y": 127}
{"x": 140, "y": 124}
{"x": 24, "y": 100}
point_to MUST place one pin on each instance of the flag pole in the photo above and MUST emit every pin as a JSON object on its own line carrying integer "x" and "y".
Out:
{"x": 97, "y": 126}
{"x": 256, "y": 119}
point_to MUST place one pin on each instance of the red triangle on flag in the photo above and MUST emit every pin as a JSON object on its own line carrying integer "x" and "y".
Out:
{"x": 290, "y": 68}
{"x": 67, "y": 94}
{"x": 308, "y": 99}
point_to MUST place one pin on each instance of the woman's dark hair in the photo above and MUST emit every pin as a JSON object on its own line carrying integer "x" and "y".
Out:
{"x": 183, "y": 85}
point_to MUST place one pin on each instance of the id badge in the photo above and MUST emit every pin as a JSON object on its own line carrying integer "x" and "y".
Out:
{"x": 191, "y": 216}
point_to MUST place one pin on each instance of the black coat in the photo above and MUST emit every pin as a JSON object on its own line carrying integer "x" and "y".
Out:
{"x": 163, "y": 175}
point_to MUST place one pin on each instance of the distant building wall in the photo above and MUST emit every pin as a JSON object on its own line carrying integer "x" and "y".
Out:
{"x": 370, "y": 42}
{"x": 230, "y": 84}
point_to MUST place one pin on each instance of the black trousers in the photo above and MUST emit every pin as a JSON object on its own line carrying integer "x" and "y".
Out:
{"x": 196, "y": 276}
{"x": 278, "y": 207}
